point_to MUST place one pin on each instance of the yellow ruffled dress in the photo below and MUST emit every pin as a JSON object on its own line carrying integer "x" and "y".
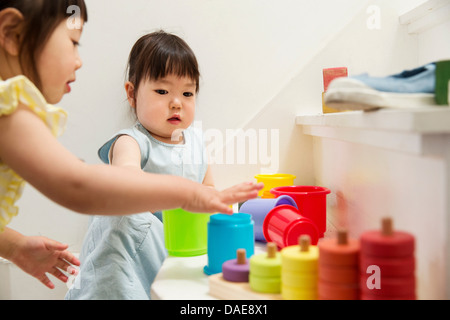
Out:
{"x": 15, "y": 91}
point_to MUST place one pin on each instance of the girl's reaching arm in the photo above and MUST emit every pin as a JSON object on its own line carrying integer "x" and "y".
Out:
{"x": 28, "y": 147}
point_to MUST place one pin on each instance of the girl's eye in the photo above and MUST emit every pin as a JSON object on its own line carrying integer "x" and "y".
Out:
{"x": 188, "y": 94}
{"x": 75, "y": 43}
{"x": 161, "y": 91}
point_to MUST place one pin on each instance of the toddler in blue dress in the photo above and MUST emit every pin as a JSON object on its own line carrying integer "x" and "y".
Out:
{"x": 122, "y": 255}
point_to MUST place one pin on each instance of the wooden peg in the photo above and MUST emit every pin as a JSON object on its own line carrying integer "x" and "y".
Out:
{"x": 386, "y": 227}
{"x": 304, "y": 241}
{"x": 241, "y": 256}
{"x": 342, "y": 238}
{"x": 271, "y": 250}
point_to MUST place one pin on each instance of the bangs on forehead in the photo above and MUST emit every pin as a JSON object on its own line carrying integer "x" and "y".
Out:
{"x": 177, "y": 66}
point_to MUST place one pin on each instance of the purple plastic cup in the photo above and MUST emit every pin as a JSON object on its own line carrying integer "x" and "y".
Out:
{"x": 260, "y": 207}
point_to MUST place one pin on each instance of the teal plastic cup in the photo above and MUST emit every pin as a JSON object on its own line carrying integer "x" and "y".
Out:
{"x": 227, "y": 234}
{"x": 185, "y": 233}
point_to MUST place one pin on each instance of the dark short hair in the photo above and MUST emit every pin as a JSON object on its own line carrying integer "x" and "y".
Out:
{"x": 159, "y": 54}
{"x": 41, "y": 19}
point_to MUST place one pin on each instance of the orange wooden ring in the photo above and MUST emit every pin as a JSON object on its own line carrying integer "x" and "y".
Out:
{"x": 332, "y": 291}
{"x": 333, "y": 254}
{"x": 339, "y": 275}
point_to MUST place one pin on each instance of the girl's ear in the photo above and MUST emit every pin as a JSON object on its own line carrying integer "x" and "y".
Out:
{"x": 11, "y": 25}
{"x": 129, "y": 88}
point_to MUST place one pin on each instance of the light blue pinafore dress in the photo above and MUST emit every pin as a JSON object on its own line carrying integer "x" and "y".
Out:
{"x": 121, "y": 255}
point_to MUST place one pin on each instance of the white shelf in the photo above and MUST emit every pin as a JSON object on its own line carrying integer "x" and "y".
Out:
{"x": 401, "y": 130}
{"x": 423, "y": 120}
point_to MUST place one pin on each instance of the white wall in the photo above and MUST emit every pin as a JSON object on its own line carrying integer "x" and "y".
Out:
{"x": 353, "y": 44}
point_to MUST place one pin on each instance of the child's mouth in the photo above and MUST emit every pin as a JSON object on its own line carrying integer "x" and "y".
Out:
{"x": 68, "y": 88}
{"x": 174, "y": 120}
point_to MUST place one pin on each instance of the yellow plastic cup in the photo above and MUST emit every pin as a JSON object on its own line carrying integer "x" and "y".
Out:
{"x": 185, "y": 233}
{"x": 272, "y": 181}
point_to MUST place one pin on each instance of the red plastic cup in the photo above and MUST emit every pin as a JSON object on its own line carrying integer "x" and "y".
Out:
{"x": 311, "y": 202}
{"x": 284, "y": 225}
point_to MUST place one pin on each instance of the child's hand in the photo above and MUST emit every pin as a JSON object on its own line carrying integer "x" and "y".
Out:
{"x": 39, "y": 255}
{"x": 207, "y": 199}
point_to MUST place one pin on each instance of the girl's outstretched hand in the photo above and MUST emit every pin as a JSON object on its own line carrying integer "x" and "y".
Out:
{"x": 39, "y": 255}
{"x": 208, "y": 199}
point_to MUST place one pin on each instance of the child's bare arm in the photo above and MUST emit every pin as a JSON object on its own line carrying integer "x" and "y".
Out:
{"x": 28, "y": 147}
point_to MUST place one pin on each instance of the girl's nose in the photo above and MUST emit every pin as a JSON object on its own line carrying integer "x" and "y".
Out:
{"x": 175, "y": 104}
{"x": 78, "y": 62}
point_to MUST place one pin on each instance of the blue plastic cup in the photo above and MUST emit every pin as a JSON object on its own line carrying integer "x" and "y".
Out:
{"x": 227, "y": 234}
{"x": 260, "y": 207}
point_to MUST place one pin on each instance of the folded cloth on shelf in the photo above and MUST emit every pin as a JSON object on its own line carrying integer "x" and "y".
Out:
{"x": 418, "y": 80}
{"x": 408, "y": 89}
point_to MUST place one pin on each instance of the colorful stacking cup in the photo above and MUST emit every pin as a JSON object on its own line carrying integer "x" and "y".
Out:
{"x": 284, "y": 225}
{"x": 273, "y": 180}
{"x": 311, "y": 202}
{"x": 227, "y": 234}
{"x": 185, "y": 233}
{"x": 259, "y": 208}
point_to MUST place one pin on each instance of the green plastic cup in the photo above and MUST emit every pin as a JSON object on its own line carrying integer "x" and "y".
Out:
{"x": 185, "y": 233}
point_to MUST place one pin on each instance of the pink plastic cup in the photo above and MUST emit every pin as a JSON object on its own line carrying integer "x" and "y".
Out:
{"x": 311, "y": 202}
{"x": 284, "y": 225}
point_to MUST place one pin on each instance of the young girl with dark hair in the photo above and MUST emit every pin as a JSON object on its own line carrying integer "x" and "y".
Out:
{"x": 121, "y": 256}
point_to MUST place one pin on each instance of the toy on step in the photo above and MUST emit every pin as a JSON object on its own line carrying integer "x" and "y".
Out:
{"x": 311, "y": 202}
{"x": 236, "y": 270}
{"x": 273, "y": 180}
{"x": 226, "y": 234}
{"x": 339, "y": 268}
{"x": 387, "y": 264}
{"x": 260, "y": 207}
{"x": 265, "y": 271}
{"x": 284, "y": 224}
{"x": 299, "y": 271}
{"x": 330, "y": 74}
